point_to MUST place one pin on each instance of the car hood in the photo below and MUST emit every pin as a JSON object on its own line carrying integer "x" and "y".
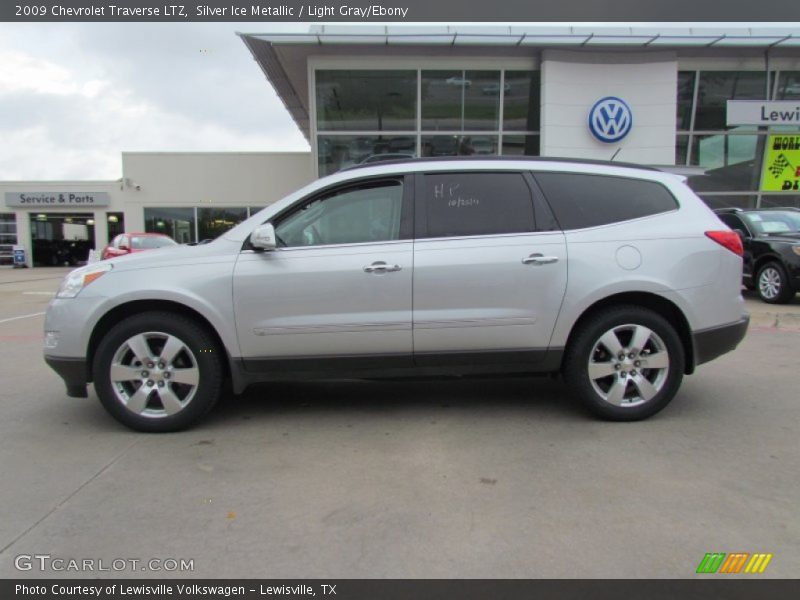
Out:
{"x": 175, "y": 255}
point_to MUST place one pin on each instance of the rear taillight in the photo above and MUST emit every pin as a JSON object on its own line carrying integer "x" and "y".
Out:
{"x": 729, "y": 239}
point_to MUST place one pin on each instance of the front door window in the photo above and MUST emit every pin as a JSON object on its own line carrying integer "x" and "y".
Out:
{"x": 367, "y": 213}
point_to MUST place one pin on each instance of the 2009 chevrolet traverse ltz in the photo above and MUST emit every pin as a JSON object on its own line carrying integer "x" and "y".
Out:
{"x": 618, "y": 277}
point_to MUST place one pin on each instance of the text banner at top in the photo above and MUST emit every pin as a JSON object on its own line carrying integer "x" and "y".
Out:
{"x": 744, "y": 12}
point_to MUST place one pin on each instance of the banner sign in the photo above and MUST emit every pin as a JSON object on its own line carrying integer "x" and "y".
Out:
{"x": 762, "y": 112}
{"x": 781, "y": 171}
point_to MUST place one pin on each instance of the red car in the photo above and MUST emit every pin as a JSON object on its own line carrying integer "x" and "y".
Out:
{"x": 128, "y": 243}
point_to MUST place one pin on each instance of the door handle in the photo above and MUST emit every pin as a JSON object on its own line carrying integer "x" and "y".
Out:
{"x": 381, "y": 267}
{"x": 539, "y": 259}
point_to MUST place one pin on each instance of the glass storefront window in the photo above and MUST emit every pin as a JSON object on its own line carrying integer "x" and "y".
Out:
{"x": 116, "y": 224}
{"x": 732, "y": 162}
{"x": 685, "y": 99}
{"x": 458, "y": 114}
{"x": 8, "y": 237}
{"x": 521, "y": 145}
{"x": 770, "y": 201}
{"x": 336, "y": 152}
{"x": 681, "y": 149}
{"x": 366, "y": 100}
{"x": 521, "y": 101}
{"x": 177, "y": 223}
{"x": 788, "y": 86}
{"x": 730, "y": 201}
{"x": 458, "y": 145}
{"x": 212, "y": 222}
{"x": 715, "y": 88}
{"x": 460, "y": 100}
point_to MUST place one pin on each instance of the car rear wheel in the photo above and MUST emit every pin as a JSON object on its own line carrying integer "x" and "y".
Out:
{"x": 773, "y": 284}
{"x": 158, "y": 372}
{"x": 625, "y": 363}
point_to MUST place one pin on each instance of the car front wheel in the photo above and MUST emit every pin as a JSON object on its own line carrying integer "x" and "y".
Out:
{"x": 773, "y": 284}
{"x": 158, "y": 372}
{"x": 625, "y": 363}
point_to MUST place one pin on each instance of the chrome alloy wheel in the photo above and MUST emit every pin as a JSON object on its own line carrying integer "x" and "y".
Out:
{"x": 628, "y": 365}
{"x": 769, "y": 283}
{"x": 154, "y": 374}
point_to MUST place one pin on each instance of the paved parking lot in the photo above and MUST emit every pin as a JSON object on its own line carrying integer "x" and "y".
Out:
{"x": 488, "y": 478}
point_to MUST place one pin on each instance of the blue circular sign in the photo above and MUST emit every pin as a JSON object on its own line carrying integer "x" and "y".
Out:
{"x": 610, "y": 119}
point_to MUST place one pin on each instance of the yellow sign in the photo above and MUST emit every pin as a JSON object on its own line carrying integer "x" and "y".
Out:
{"x": 781, "y": 164}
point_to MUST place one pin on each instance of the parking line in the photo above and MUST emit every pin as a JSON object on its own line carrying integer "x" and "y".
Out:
{"x": 39, "y": 314}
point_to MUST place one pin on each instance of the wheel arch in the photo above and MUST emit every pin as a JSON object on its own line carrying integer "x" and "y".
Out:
{"x": 658, "y": 304}
{"x": 764, "y": 259}
{"x": 134, "y": 307}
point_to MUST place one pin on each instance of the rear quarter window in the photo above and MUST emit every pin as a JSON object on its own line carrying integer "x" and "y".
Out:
{"x": 580, "y": 200}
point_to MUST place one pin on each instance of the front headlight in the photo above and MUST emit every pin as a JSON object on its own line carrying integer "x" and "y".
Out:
{"x": 80, "y": 278}
{"x": 796, "y": 250}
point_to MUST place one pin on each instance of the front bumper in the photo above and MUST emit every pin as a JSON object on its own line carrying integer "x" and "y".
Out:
{"x": 74, "y": 373}
{"x": 716, "y": 341}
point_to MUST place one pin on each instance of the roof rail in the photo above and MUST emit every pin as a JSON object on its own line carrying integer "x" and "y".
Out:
{"x": 533, "y": 159}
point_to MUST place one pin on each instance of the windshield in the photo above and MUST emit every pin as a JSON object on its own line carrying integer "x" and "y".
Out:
{"x": 151, "y": 241}
{"x": 774, "y": 221}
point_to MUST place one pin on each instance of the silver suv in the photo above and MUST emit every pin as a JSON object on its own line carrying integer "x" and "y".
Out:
{"x": 617, "y": 277}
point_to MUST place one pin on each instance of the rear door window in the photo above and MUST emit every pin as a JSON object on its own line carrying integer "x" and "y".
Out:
{"x": 469, "y": 204}
{"x": 581, "y": 200}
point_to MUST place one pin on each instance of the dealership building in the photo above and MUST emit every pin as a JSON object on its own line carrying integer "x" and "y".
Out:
{"x": 188, "y": 196}
{"x": 651, "y": 94}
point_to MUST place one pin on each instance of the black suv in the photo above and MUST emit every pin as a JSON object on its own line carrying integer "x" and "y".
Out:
{"x": 771, "y": 239}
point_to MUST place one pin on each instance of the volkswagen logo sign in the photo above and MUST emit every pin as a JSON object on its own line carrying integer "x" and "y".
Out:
{"x": 610, "y": 119}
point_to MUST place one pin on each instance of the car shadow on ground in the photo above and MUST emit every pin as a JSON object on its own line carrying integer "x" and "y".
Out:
{"x": 541, "y": 395}
{"x": 753, "y": 295}
{"x": 537, "y": 399}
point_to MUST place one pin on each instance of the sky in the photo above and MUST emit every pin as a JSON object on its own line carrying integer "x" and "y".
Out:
{"x": 74, "y": 96}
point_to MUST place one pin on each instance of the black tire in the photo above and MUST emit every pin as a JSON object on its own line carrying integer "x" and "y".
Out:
{"x": 199, "y": 353}
{"x": 775, "y": 272}
{"x": 585, "y": 344}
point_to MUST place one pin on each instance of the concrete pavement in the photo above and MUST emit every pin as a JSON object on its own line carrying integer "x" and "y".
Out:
{"x": 482, "y": 478}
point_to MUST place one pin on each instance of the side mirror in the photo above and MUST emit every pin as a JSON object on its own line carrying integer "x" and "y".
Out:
{"x": 263, "y": 237}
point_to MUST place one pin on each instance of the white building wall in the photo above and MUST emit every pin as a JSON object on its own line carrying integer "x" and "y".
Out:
{"x": 209, "y": 179}
{"x": 573, "y": 81}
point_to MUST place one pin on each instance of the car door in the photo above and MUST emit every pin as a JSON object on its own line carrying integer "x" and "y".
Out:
{"x": 337, "y": 290}
{"x": 490, "y": 269}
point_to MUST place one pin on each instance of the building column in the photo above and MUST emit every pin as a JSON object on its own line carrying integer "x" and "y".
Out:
{"x": 100, "y": 229}
{"x": 24, "y": 235}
